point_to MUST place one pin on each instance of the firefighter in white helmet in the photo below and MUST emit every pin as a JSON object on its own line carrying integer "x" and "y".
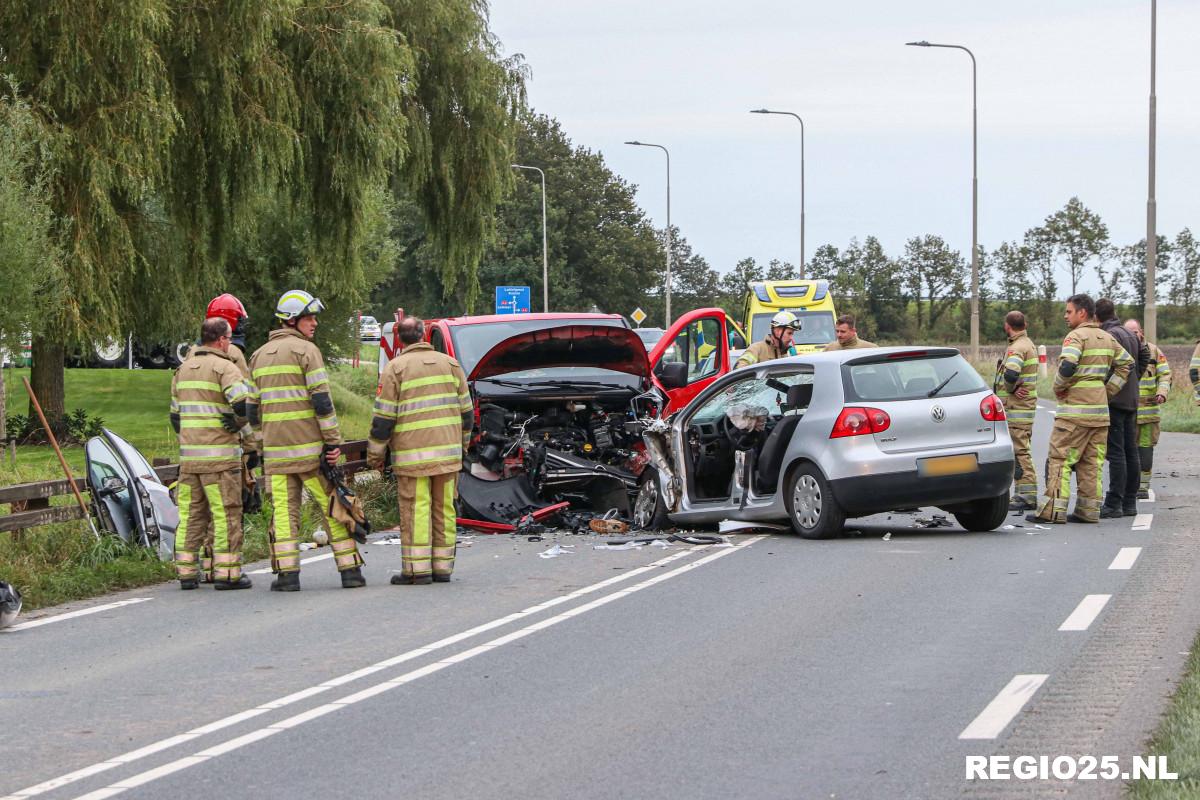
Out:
{"x": 778, "y": 343}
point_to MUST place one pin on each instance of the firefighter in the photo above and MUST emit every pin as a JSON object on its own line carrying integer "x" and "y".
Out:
{"x": 424, "y": 415}
{"x": 777, "y": 344}
{"x": 1154, "y": 387}
{"x": 1194, "y": 373}
{"x": 1092, "y": 368}
{"x": 847, "y": 336}
{"x": 1016, "y": 385}
{"x": 208, "y": 407}
{"x": 293, "y": 409}
{"x": 229, "y": 308}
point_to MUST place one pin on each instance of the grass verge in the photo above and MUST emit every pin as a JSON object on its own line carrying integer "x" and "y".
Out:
{"x": 1177, "y": 738}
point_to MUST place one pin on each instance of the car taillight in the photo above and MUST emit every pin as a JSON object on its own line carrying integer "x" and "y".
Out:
{"x": 991, "y": 408}
{"x": 859, "y": 420}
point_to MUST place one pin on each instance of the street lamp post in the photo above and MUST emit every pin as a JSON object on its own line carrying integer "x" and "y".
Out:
{"x": 667, "y": 322}
{"x": 1151, "y": 321}
{"x": 974, "y": 194}
{"x": 798, "y": 119}
{"x": 545, "y": 258}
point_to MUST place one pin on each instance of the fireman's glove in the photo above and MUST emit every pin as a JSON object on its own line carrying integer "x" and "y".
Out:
{"x": 229, "y": 423}
{"x": 252, "y": 460}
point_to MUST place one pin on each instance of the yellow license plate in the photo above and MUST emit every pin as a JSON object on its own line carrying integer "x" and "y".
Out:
{"x": 947, "y": 465}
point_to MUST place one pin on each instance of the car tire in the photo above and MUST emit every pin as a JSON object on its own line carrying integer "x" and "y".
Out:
{"x": 109, "y": 353}
{"x": 812, "y": 509}
{"x": 179, "y": 352}
{"x": 984, "y": 515}
{"x": 649, "y": 507}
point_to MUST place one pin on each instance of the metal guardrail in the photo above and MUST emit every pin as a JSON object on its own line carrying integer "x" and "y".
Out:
{"x": 30, "y": 502}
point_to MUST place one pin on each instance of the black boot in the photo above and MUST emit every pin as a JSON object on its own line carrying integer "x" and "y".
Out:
{"x": 189, "y": 583}
{"x": 441, "y": 578}
{"x": 411, "y": 580}
{"x": 353, "y": 578}
{"x": 243, "y": 582}
{"x": 1108, "y": 512}
{"x": 286, "y": 582}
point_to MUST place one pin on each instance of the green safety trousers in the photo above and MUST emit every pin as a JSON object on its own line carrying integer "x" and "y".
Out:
{"x": 211, "y": 498}
{"x": 428, "y": 527}
{"x": 1147, "y": 441}
{"x": 1026, "y": 477}
{"x": 287, "y": 495}
{"x": 1078, "y": 448}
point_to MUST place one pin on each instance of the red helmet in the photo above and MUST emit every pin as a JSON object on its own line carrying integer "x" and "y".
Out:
{"x": 228, "y": 308}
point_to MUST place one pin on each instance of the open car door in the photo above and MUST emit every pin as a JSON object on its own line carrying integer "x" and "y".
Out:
{"x": 692, "y": 354}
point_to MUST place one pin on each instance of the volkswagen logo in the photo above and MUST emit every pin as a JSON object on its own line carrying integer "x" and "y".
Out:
{"x": 938, "y": 414}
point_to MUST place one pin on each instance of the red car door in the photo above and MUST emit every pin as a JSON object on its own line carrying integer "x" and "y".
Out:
{"x": 700, "y": 341}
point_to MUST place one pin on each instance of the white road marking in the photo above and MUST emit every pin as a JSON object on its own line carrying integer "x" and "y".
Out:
{"x": 995, "y": 717}
{"x": 1142, "y": 522}
{"x": 83, "y": 612}
{"x": 270, "y": 730}
{"x": 1125, "y": 558}
{"x": 1151, "y": 498}
{"x": 303, "y": 561}
{"x": 1085, "y": 613}
{"x": 295, "y": 697}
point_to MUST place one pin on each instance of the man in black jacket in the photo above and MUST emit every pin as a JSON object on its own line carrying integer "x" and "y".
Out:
{"x": 1124, "y": 467}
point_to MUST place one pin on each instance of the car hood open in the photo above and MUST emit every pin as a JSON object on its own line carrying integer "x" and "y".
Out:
{"x": 599, "y": 346}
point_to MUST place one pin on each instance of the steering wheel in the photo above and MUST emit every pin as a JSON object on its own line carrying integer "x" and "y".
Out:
{"x": 738, "y": 438}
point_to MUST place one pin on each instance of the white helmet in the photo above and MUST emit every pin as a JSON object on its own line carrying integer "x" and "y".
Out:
{"x": 785, "y": 319}
{"x": 297, "y": 303}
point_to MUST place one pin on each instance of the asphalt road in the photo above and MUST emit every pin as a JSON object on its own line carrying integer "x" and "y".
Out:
{"x": 776, "y": 667}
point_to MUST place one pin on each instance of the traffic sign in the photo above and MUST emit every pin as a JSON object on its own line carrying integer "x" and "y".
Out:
{"x": 512, "y": 299}
{"x": 638, "y": 316}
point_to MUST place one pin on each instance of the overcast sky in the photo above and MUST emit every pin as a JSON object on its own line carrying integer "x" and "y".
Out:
{"x": 1063, "y": 98}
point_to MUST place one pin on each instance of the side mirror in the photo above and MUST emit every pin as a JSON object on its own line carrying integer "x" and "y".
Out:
{"x": 112, "y": 485}
{"x": 673, "y": 374}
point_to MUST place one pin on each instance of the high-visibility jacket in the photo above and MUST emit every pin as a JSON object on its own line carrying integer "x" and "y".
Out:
{"x": 1019, "y": 368}
{"x": 249, "y": 437}
{"x": 423, "y": 412}
{"x": 766, "y": 350}
{"x": 1194, "y": 372}
{"x": 1092, "y": 368}
{"x": 292, "y": 406}
{"x": 1154, "y": 381}
{"x": 854, "y": 344}
{"x": 208, "y": 396}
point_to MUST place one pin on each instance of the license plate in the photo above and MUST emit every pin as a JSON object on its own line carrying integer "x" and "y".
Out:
{"x": 947, "y": 465}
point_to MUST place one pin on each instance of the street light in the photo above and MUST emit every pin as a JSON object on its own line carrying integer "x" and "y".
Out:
{"x": 545, "y": 259}
{"x": 667, "y": 324}
{"x": 1151, "y": 321}
{"x": 974, "y": 194}
{"x": 797, "y": 116}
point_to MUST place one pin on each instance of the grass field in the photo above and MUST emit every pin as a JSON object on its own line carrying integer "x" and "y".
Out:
{"x": 1177, "y": 738}
{"x": 57, "y": 563}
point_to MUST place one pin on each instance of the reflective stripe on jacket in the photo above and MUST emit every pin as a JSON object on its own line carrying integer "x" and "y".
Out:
{"x": 204, "y": 391}
{"x": 1156, "y": 380}
{"x": 1102, "y": 368}
{"x": 1021, "y": 358}
{"x": 294, "y": 406}
{"x": 760, "y": 352}
{"x": 422, "y": 412}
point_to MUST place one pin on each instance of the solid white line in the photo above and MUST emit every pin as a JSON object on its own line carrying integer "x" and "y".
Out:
{"x": 429, "y": 669}
{"x": 1125, "y": 558}
{"x": 83, "y": 612}
{"x": 295, "y": 697}
{"x": 1142, "y": 522}
{"x": 1085, "y": 613}
{"x": 995, "y": 717}
{"x": 303, "y": 561}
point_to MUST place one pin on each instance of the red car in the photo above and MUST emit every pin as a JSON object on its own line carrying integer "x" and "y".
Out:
{"x": 557, "y": 395}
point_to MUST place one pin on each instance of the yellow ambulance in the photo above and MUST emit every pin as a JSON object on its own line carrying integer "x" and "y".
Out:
{"x": 808, "y": 300}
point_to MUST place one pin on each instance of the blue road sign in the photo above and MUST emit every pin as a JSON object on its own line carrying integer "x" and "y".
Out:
{"x": 512, "y": 299}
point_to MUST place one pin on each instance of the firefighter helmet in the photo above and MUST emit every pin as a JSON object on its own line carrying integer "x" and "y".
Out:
{"x": 228, "y": 308}
{"x": 297, "y": 303}
{"x": 785, "y": 319}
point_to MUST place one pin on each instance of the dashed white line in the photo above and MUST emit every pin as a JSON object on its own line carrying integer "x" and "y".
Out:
{"x": 1152, "y": 497}
{"x": 1125, "y": 558}
{"x": 995, "y": 717}
{"x": 83, "y": 612}
{"x": 270, "y": 730}
{"x": 1142, "y": 522}
{"x": 1085, "y": 613}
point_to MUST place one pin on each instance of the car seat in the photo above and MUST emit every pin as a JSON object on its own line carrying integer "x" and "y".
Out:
{"x": 770, "y": 458}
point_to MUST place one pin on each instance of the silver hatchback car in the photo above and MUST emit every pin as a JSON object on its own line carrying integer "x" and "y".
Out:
{"x": 818, "y": 438}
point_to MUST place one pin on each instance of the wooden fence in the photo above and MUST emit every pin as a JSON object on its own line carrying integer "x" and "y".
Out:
{"x": 30, "y": 507}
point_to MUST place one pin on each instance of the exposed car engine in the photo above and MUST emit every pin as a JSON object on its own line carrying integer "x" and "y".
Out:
{"x": 517, "y": 440}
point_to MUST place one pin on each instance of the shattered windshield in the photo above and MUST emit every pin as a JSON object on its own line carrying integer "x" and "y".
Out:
{"x": 769, "y": 391}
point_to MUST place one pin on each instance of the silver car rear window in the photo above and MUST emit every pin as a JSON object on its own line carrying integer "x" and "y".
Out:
{"x": 910, "y": 378}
